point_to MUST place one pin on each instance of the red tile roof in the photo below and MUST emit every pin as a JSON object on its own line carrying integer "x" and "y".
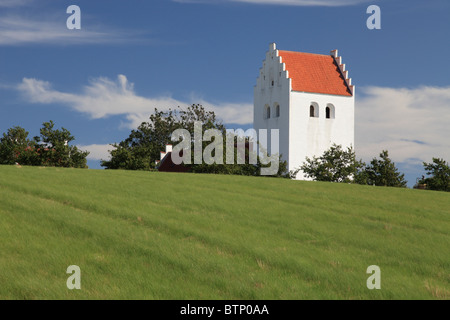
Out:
{"x": 314, "y": 73}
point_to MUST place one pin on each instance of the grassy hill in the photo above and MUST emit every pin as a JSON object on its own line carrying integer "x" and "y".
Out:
{"x": 141, "y": 235}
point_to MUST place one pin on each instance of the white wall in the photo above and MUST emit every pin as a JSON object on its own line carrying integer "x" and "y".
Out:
{"x": 312, "y": 136}
{"x": 267, "y": 94}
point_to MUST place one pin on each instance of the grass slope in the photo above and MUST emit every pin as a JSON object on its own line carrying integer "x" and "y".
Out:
{"x": 141, "y": 235}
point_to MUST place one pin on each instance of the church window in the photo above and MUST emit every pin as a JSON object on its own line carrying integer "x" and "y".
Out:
{"x": 329, "y": 111}
{"x": 277, "y": 110}
{"x": 314, "y": 110}
{"x": 267, "y": 112}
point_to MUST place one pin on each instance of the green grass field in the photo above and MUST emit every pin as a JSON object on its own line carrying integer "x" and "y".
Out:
{"x": 146, "y": 235}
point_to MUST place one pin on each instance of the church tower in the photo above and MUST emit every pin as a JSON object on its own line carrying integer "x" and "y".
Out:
{"x": 309, "y": 98}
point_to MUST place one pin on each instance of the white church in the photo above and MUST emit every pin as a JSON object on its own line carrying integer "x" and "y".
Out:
{"x": 309, "y": 98}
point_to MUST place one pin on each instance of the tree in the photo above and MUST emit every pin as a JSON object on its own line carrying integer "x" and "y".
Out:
{"x": 335, "y": 165}
{"x": 15, "y": 147}
{"x": 143, "y": 146}
{"x": 247, "y": 168}
{"x": 51, "y": 148}
{"x": 383, "y": 172}
{"x": 54, "y": 149}
{"x": 439, "y": 171}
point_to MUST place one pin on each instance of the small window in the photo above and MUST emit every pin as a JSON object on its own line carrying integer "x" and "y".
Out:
{"x": 266, "y": 112}
{"x": 272, "y": 83}
{"x": 329, "y": 111}
{"x": 314, "y": 110}
{"x": 277, "y": 110}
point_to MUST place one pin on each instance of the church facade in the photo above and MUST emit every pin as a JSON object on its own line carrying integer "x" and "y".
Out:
{"x": 309, "y": 98}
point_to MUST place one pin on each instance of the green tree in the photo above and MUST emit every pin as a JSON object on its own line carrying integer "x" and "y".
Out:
{"x": 15, "y": 147}
{"x": 54, "y": 149}
{"x": 51, "y": 148}
{"x": 383, "y": 172}
{"x": 246, "y": 168}
{"x": 335, "y": 165}
{"x": 439, "y": 172}
{"x": 143, "y": 146}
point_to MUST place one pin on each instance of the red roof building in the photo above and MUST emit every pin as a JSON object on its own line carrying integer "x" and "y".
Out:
{"x": 306, "y": 101}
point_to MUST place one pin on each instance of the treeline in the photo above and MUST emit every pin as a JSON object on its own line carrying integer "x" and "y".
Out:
{"x": 340, "y": 165}
{"x": 141, "y": 151}
{"x": 51, "y": 148}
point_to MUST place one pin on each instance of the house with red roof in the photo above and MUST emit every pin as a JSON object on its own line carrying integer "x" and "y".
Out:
{"x": 166, "y": 164}
{"x": 309, "y": 98}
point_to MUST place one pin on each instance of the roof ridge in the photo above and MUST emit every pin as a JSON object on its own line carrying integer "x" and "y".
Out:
{"x": 316, "y": 54}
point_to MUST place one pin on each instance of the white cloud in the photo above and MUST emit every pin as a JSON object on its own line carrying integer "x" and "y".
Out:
{"x": 13, "y": 3}
{"x": 19, "y": 30}
{"x": 97, "y": 151}
{"x": 103, "y": 97}
{"x": 327, "y": 3}
{"x": 412, "y": 124}
{"x": 238, "y": 113}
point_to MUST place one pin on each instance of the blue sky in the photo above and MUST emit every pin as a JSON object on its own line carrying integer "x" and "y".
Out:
{"x": 132, "y": 56}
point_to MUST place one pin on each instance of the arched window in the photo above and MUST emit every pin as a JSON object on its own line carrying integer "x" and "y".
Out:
{"x": 267, "y": 112}
{"x": 314, "y": 110}
{"x": 277, "y": 110}
{"x": 329, "y": 111}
